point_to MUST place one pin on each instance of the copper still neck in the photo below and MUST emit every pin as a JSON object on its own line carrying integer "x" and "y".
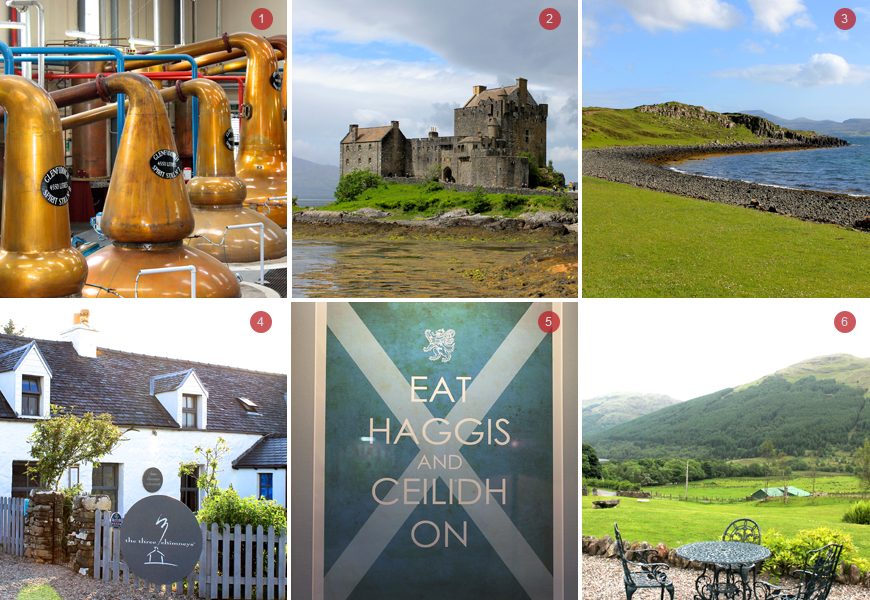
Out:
{"x": 36, "y": 258}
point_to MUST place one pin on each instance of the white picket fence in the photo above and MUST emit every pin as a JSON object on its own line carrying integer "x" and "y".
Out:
{"x": 217, "y": 578}
{"x": 12, "y": 525}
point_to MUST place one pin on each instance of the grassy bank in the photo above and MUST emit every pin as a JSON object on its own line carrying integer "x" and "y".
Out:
{"x": 409, "y": 201}
{"x": 640, "y": 243}
{"x": 604, "y": 127}
{"x": 677, "y": 523}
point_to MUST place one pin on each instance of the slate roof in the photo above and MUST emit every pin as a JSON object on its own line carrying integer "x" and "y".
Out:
{"x": 170, "y": 382}
{"x": 119, "y": 383}
{"x": 269, "y": 452}
{"x": 367, "y": 134}
{"x": 495, "y": 94}
{"x": 6, "y": 411}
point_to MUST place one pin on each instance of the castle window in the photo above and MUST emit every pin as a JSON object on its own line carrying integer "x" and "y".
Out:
{"x": 359, "y": 146}
{"x": 370, "y": 160}
{"x": 359, "y": 161}
{"x": 347, "y": 161}
{"x": 527, "y": 135}
{"x": 370, "y": 146}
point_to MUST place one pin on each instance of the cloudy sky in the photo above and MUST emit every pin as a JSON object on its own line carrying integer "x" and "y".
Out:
{"x": 378, "y": 61}
{"x": 688, "y": 348}
{"x": 216, "y": 332}
{"x": 786, "y": 57}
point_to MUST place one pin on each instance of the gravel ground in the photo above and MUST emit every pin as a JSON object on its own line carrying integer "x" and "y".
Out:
{"x": 601, "y": 579}
{"x": 640, "y": 166}
{"x": 17, "y": 573}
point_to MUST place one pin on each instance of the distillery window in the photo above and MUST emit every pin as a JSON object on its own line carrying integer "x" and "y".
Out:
{"x": 189, "y": 491}
{"x": 188, "y": 411}
{"x": 30, "y": 394}
{"x": 105, "y": 481}
{"x": 266, "y": 485}
{"x": 249, "y": 406}
{"x": 22, "y": 483}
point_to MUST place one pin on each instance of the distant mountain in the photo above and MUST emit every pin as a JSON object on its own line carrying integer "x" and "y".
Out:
{"x": 604, "y": 412}
{"x": 311, "y": 180}
{"x": 848, "y": 128}
{"x": 818, "y": 402}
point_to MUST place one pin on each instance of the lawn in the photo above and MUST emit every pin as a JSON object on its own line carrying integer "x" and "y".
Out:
{"x": 677, "y": 523}
{"x": 741, "y": 487}
{"x": 640, "y": 243}
{"x": 38, "y": 592}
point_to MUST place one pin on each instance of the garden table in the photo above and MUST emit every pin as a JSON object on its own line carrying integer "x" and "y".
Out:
{"x": 725, "y": 558}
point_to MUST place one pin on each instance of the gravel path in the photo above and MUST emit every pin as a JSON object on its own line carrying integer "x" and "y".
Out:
{"x": 601, "y": 579}
{"x": 640, "y": 166}
{"x": 17, "y": 573}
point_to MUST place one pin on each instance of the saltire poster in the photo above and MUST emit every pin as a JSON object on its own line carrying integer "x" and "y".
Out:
{"x": 437, "y": 451}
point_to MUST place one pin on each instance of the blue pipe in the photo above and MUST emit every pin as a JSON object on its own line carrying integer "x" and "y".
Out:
{"x": 8, "y": 66}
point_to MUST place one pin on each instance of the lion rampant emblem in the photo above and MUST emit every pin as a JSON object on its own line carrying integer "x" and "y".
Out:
{"x": 441, "y": 343}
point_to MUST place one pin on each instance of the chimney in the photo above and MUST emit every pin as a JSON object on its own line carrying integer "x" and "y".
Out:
{"x": 82, "y": 335}
{"x": 521, "y": 84}
{"x": 478, "y": 89}
{"x": 433, "y": 133}
{"x": 395, "y": 125}
{"x": 354, "y": 132}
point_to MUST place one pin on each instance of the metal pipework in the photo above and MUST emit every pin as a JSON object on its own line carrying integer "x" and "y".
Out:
{"x": 36, "y": 258}
{"x": 262, "y": 159}
{"x": 216, "y": 193}
{"x": 148, "y": 213}
{"x": 40, "y": 32}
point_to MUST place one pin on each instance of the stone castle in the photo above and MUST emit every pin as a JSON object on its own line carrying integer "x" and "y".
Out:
{"x": 489, "y": 133}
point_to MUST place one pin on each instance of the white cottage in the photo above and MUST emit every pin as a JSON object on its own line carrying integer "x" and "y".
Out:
{"x": 173, "y": 406}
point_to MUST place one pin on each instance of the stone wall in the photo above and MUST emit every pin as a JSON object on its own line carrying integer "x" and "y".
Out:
{"x": 633, "y": 494}
{"x": 80, "y": 542}
{"x": 43, "y": 527}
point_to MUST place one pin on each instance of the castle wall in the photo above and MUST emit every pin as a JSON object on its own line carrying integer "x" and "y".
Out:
{"x": 393, "y": 155}
{"x": 361, "y": 156}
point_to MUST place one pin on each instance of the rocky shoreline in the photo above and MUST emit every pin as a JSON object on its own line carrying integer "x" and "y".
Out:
{"x": 553, "y": 223}
{"x": 641, "y": 166}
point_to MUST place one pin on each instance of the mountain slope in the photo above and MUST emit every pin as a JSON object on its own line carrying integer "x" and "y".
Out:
{"x": 311, "y": 180}
{"x": 848, "y": 128}
{"x": 815, "y": 403}
{"x": 604, "y": 412}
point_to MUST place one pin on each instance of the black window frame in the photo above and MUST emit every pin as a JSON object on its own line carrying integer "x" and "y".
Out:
{"x": 31, "y": 401}
{"x": 186, "y": 410}
{"x": 190, "y": 492}
{"x": 98, "y": 475}
{"x": 269, "y": 486}
{"x": 32, "y": 482}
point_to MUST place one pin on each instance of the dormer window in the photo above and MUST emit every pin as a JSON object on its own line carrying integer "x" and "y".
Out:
{"x": 30, "y": 395}
{"x": 188, "y": 411}
{"x": 249, "y": 406}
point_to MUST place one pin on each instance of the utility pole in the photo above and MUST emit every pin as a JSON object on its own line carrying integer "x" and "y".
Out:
{"x": 687, "y": 481}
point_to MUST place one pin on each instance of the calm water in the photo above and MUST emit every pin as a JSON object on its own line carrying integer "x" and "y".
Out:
{"x": 844, "y": 170}
{"x": 314, "y": 202}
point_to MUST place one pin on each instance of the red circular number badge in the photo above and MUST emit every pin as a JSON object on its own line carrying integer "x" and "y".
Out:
{"x": 844, "y": 321}
{"x": 261, "y": 322}
{"x": 262, "y": 18}
{"x": 548, "y": 321}
{"x": 845, "y": 18}
{"x": 550, "y": 18}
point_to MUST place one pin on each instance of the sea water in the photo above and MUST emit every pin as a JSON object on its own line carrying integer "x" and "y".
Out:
{"x": 844, "y": 170}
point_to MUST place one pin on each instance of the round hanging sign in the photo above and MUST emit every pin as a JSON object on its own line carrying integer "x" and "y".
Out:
{"x": 229, "y": 139}
{"x": 275, "y": 80}
{"x": 152, "y": 479}
{"x": 55, "y": 186}
{"x": 166, "y": 164}
{"x": 160, "y": 539}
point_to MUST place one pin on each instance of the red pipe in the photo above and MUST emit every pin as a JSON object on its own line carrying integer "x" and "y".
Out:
{"x": 161, "y": 75}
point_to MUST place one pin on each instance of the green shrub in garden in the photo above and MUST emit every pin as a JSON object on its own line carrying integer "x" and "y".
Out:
{"x": 227, "y": 508}
{"x": 788, "y": 554}
{"x": 858, "y": 513}
{"x": 477, "y": 202}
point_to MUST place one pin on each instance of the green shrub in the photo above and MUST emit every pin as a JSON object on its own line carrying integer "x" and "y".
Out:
{"x": 858, "y": 513}
{"x": 610, "y": 484}
{"x": 512, "y": 201}
{"x": 477, "y": 202}
{"x": 226, "y": 508}
{"x": 352, "y": 185}
{"x": 788, "y": 554}
{"x": 387, "y": 204}
{"x": 433, "y": 186}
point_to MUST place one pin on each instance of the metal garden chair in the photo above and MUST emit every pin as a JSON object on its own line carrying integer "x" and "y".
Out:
{"x": 820, "y": 566}
{"x": 647, "y": 575}
{"x": 741, "y": 530}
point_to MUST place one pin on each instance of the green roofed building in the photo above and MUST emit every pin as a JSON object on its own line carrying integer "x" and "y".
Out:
{"x": 778, "y": 492}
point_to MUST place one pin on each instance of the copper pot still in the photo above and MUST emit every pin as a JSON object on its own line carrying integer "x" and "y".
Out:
{"x": 148, "y": 213}
{"x": 262, "y": 158}
{"x": 217, "y": 194}
{"x": 36, "y": 256}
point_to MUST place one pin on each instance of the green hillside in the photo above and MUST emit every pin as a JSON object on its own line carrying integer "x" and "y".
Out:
{"x": 604, "y": 412}
{"x": 842, "y": 368}
{"x": 797, "y": 416}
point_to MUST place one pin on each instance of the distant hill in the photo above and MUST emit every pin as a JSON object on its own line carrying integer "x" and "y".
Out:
{"x": 311, "y": 180}
{"x": 604, "y": 412}
{"x": 819, "y": 402}
{"x": 848, "y": 128}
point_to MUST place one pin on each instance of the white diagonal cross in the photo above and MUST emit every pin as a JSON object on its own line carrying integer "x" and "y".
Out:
{"x": 386, "y": 520}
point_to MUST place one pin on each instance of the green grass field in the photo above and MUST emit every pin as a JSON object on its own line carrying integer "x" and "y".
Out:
{"x": 640, "y": 243}
{"x": 629, "y": 127}
{"x": 677, "y": 523}
{"x": 409, "y": 201}
{"x": 741, "y": 487}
